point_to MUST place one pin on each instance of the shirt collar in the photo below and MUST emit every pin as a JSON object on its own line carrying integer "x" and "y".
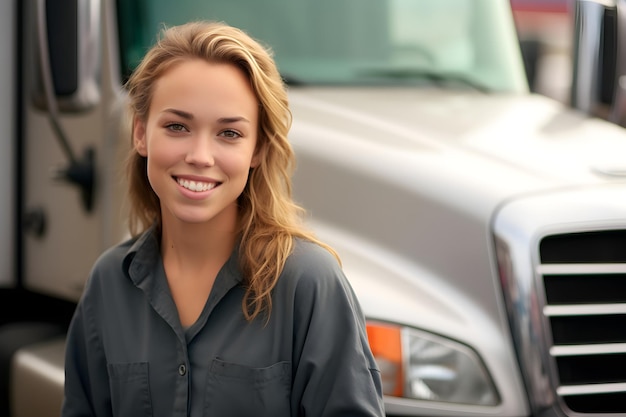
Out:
{"x": 144, "y": 254}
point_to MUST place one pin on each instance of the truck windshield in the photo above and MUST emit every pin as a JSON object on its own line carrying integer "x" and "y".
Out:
{"x": 452, "y": 43}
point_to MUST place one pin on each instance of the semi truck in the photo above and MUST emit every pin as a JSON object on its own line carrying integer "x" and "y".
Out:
{"x": 482, "y": 226}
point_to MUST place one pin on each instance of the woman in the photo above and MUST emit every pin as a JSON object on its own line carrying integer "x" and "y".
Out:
{"x": 222, "y": 303}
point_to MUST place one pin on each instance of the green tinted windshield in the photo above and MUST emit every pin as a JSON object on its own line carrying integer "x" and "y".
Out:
{"x": 461, "y": 43}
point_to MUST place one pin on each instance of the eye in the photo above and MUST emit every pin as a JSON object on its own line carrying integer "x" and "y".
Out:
{"x": 176, "y": 127}
{"x": 230, "y": 134}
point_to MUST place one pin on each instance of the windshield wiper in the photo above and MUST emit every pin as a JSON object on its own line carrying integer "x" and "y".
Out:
{"x": 437, "y": 77}
{"x": 291, "y": 80}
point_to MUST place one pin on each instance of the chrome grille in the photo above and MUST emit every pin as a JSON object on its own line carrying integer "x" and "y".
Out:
{"x": 584, "y": 281}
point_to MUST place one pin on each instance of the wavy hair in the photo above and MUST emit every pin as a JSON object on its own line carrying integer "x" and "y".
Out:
{"x": 269, "y": 219}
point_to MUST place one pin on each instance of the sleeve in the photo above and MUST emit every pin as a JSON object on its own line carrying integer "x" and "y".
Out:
{"x": 87, "y": 391}
{"x": 335, "y": 373}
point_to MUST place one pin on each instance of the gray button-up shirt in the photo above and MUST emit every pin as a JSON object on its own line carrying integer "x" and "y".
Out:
{"x": 128, "y": 355}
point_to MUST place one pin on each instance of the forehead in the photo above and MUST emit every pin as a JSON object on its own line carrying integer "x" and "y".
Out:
{"x": 197, "y": 84}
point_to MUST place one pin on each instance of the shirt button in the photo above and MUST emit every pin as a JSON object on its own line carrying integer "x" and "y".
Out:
{"x": 182, "y": 369}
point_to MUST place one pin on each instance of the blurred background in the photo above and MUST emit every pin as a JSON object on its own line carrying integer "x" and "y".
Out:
{"x": 545, "y": 31}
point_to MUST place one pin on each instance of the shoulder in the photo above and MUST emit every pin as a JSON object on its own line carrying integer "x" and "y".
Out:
{"x": 320, "y": 295}
{"x": 314, "y": 275}
{"x": 111, "y": 264}
{"x": 310, "y": 261}
{"x": 306, "y": 251}
{"x": 114, "y": 256}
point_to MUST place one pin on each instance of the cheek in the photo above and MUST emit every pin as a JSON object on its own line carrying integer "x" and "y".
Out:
{"x": 163, "y": 154}
{"x": 241, "y": 165}
{"x": 234, "y": 161}
{"x": 159, "y": 160}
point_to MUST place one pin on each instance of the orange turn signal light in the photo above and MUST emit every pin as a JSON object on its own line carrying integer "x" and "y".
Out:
{"x": 386, "y": 344}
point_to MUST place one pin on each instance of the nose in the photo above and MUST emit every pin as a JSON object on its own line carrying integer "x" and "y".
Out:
{"x": 200, "y": 151}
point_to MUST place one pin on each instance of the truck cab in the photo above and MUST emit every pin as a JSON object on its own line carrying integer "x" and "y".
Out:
{"x": 482, "y": 226}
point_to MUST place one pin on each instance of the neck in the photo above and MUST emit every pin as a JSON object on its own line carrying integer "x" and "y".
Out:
{"x": 198, "y": 246}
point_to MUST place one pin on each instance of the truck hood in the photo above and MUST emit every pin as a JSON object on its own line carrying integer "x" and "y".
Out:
{"x": 531, "y": 137}
{"x": 406, "y": 184}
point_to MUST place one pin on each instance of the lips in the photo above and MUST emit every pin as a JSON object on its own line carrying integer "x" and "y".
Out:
{"x": 196, "y": 186}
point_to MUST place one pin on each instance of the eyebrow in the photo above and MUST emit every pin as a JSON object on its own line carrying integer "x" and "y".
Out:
{"x": 227, "y": 120}
{"x": 180, "y": 113}
{"x": 222, "y": 120}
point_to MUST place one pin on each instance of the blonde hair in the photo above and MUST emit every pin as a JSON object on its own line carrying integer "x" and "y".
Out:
{"x": 269, "y": 218}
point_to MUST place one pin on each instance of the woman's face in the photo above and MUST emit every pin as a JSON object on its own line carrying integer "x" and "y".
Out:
{"x": 199, "y": 139}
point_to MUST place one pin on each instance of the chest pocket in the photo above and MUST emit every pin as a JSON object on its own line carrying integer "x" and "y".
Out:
{"x": 130, "y": 389}
{"x": 236, "y": 390}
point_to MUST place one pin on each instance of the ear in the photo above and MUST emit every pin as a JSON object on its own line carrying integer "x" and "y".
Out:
{"x": 139, "y": 136}
{"x": 257, "y": 157}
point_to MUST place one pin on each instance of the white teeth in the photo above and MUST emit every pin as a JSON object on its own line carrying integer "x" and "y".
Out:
{"x": 196, "y": 186}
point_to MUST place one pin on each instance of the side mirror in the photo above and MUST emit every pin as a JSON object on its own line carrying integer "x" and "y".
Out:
{"x": 599, "y": 59}
{"x": 69, "y": 46}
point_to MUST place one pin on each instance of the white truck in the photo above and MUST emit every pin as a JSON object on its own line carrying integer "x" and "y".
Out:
{"x": 483, "y": 227}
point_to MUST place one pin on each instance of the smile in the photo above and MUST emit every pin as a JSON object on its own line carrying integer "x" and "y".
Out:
{"x": 197, "y": 186}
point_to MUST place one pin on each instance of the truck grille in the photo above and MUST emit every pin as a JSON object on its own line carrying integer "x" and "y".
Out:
{"x": 584, "y": 282}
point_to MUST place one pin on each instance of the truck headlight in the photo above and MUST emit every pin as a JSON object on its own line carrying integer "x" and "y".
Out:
{"x": 421, "y": 365}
